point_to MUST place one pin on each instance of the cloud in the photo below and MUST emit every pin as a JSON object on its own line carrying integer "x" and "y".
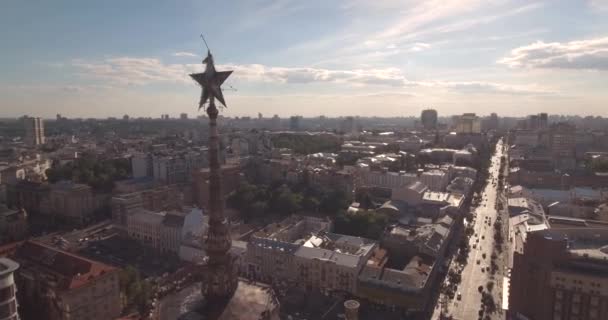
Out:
{"x": 135, "y": 71}
{"x": 585, "y": 55}
{"x": 600, "y": 5}
{"x": 419, "y": 46}
{"x": 481, "y": 87}
{"x": 184, "y": 54}
{"x": 143, "y": 71}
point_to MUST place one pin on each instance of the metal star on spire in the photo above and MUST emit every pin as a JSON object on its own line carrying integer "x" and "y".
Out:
{"x": 211, "y": 81}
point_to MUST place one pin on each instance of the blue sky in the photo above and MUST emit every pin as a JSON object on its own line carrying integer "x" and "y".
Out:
{"x": 356, "y": 57}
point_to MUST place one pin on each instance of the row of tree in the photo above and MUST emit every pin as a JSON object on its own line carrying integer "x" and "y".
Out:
{"x": 366, "y": 224}
{"x": 303, "y": 144}
{"x": 99, "y": 174}
{"x": 137, "y": 293}
{"x": 258, "y": 201}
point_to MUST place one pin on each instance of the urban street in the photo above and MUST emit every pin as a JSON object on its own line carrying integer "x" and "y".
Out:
{"x": 476, "y": 273}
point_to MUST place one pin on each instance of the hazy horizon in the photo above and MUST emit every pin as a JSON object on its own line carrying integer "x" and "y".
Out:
{"x": 384, "y": 58}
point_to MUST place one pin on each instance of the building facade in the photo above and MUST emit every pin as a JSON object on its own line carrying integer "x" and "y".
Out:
{"x": 58, "y": 285}
{"x": 34, "y": 131}
{"x": 68, "y": 201}
{"x": 8, "y": 290}
{"x": 428, "y": 118}
{"x": 561, "y": 274}
{"x": 468, "y": 123}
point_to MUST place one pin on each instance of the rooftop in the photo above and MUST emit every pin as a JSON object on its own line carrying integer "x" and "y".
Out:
{"x": 72, "y": 271}
{"x": 7, "y": 266}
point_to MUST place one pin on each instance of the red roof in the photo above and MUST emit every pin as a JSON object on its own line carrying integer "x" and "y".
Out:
{"x": 73, "y": 271}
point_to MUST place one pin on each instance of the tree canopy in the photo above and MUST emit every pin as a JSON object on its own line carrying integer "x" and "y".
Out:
{"x": 260, "y": 200}
{"x": 99, "y": 174}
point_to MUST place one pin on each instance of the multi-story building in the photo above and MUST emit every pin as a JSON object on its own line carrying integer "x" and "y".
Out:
{"x": 468, "y": 123}
{"x": 295, "y": 123}
{"x": 348, "y": 125}
{"x": 270, "y": 251}
{"x": 331, "y": 262}
{"x": 562, "y": 142}
{"x": 436, "y": 180}
{"x": 162, "y": 231}
{"x": 169, "y": 168}
{"x": 561, "y": 274}
{"x": 27, "y": 195}
{"x": 428, "y": 118}
{"x": 34, "y": 131}
{"x": 8, "y": 290}
{"x": 387, "y": 179}
{"x": 13, "y": 224}
{"x": 231, "y": 178}
{"x": 58, "y": 285}
{"x": 141, "y": 165}
{"x": 69, "y": 201}
{"x": 157, "y": 198}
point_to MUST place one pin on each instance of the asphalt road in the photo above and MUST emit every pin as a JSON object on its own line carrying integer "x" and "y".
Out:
{"x": 476, "y": 272}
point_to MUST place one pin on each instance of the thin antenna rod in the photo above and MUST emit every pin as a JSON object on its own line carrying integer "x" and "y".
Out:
{"x": 202, "y": 37}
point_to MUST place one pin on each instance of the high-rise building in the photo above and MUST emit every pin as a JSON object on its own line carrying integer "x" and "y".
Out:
{"x": 493, "y": 121}
{"x": 276, "y": 122}
{"x": 428, "y": 118}
{"x": 348, "y": 125}
{"x": 34, "y": 131}
{"x": 8, "y": 290}
{"x": 543, "y": 120}
{"x": 294, "y": 123}
{"x": 561, "y": 274}
{"x": 468, "y": 123}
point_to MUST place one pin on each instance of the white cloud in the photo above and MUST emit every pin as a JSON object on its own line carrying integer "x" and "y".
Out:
{"x": 601, "y": 5}
{"x": 482, "y": 87}
{"x": 585, "y": 55}
{"x": 184, "y": 54}
{"x": 142, "y": 71}
{"x": 419, "y": 46}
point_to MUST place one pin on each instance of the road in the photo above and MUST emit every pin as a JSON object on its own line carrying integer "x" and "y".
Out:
{"x": 476, "y": 271}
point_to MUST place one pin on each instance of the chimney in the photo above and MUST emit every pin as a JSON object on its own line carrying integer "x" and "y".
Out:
{"x": 351, "y": 309}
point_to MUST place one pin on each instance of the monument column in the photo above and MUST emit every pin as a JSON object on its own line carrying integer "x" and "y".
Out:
{"x": 219, "y": 275}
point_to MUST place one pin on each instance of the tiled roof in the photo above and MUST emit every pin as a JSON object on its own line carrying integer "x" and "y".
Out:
{"x": 74, "y": 271}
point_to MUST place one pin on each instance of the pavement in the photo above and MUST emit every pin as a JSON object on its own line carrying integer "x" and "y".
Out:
{"x": 476, "y": 271}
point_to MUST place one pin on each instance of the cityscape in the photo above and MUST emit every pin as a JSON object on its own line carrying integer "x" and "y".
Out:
{"x": 211, "y": 207}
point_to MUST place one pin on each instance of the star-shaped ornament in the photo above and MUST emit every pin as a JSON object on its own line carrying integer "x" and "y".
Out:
{"x": 211, "y": 81}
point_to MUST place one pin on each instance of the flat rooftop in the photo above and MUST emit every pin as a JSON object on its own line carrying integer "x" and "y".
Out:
{"x": 7, "y": 266}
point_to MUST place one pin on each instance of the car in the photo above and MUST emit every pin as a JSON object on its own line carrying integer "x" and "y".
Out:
{"x": 459, "y": 296}
{"x": 483, "y": 255}
{"x": 478, "y": 261}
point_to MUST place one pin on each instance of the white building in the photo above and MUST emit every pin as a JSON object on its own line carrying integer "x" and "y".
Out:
{"x": 436, "y": 180}
{"x": 34, "y": 131}
{"x": 141, "y": 165}
{"x": 332, "y": 262}
{"x": 179, "y": 168}
{"x": 411, "y": 194}
{"x": 390, "y": 180}
{"x": 166, "y": 231}
{"x": 8, "y": 290}
{"x": 468, "y": 123}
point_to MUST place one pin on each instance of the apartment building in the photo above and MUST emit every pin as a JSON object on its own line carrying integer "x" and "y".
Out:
{"x": 58, "y": 285}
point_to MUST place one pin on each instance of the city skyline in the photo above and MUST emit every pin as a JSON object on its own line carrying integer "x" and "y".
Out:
{"x": 336, "y": 59}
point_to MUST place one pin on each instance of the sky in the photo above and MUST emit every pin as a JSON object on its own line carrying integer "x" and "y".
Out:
{"x": 292, "y": 57}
